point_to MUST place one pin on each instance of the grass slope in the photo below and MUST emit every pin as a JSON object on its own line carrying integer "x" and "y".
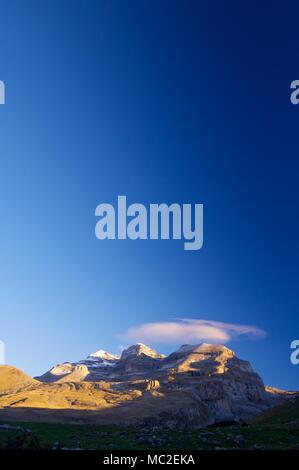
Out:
{"x": 49, "y": 436}
{"x": 287, "y": 413}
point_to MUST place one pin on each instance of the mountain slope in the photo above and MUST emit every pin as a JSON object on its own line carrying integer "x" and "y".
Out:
{"x": 13, "y": 379}
{"x": 285, "y": 413}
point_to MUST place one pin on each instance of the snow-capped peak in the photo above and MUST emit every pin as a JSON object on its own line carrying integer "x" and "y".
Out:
{"x": 102, "y": 355}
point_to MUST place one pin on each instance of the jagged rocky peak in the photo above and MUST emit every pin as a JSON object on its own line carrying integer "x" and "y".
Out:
{"x": 102, "y": 355}
{"x": 140, "y": 349}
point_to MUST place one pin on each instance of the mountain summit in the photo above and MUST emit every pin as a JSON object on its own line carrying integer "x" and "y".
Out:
{"x": 140, "y": 349}
{"x": 102, "y": 355}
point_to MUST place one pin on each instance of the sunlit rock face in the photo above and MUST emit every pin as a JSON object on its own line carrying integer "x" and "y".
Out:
{"x": 195, "y": 386}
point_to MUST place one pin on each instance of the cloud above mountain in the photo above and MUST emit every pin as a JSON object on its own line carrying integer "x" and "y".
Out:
{"x": 191, "y": 331}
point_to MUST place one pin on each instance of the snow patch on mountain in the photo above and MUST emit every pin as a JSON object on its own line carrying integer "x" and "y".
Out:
{"x": 104, "y": 355}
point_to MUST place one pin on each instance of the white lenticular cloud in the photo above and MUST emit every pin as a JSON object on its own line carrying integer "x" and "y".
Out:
{"x": 191, "y": 331}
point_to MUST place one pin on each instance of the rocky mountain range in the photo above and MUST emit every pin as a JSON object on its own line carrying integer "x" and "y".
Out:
{"x": 194, "y": 386}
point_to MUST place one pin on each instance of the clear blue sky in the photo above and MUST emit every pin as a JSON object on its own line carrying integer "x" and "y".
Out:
{"x": 168, "y": 101}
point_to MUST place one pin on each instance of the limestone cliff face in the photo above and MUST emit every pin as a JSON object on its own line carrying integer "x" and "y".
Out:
{"x": 194, "y": 386}
{"x": 228, "y": 386}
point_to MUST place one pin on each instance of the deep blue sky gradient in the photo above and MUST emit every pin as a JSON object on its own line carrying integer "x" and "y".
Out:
{"x": 163, "y": 101}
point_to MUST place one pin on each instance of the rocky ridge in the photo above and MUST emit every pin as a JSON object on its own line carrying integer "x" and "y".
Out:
{"x": 195, "y": 386}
